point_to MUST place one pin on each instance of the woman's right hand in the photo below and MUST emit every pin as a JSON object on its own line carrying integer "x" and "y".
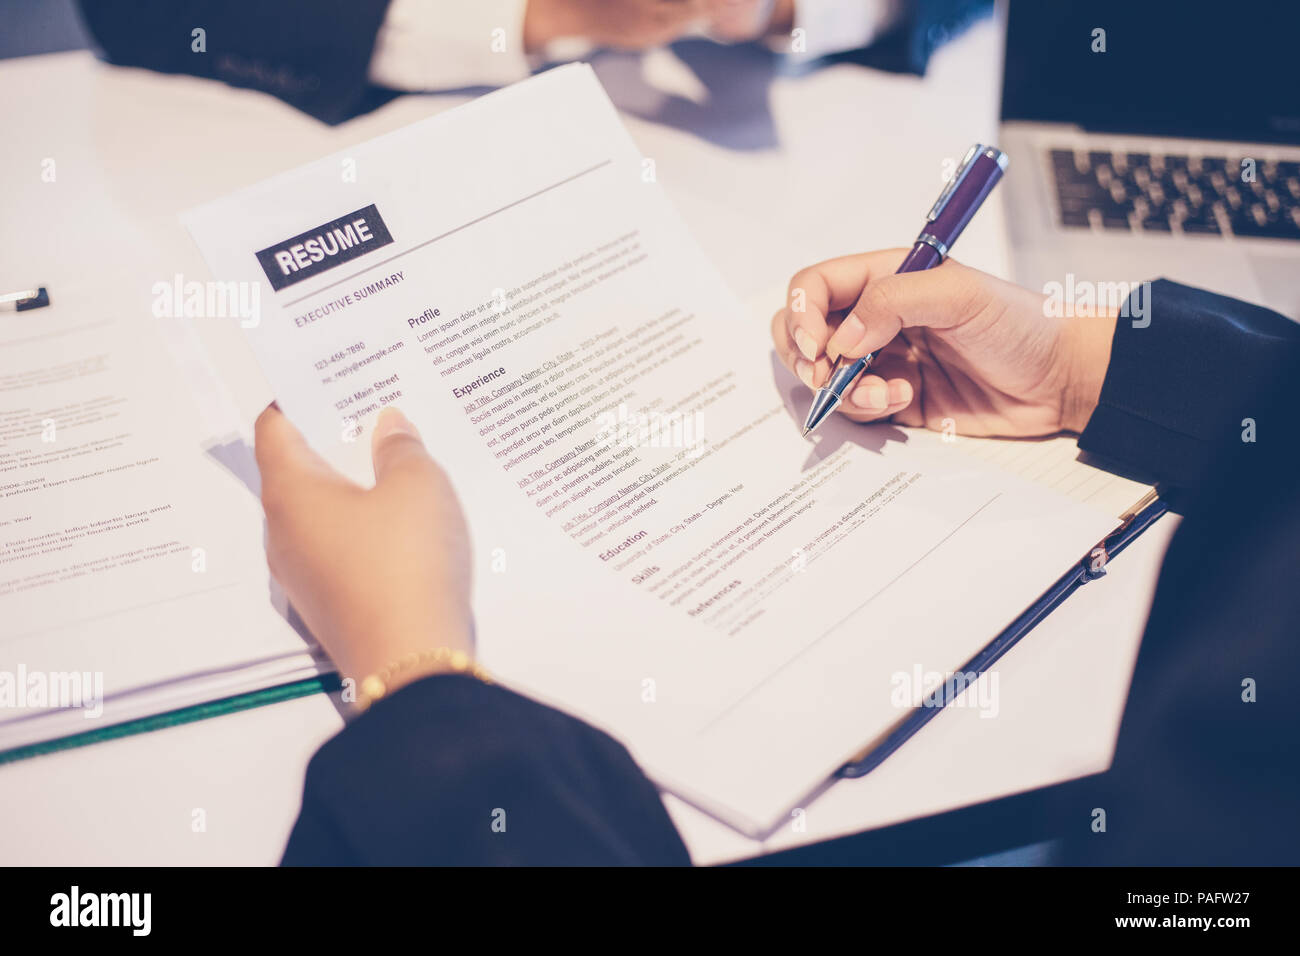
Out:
{"x": 951, "y": 343}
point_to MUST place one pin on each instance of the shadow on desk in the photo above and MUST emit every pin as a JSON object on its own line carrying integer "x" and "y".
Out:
{"x": 735, "y": 111}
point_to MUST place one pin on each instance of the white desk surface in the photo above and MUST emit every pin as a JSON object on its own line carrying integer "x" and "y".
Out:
{"x": 770, "y": 172}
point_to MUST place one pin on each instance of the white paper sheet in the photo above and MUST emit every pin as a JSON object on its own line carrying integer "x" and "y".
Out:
{"x": 728, "y": 598}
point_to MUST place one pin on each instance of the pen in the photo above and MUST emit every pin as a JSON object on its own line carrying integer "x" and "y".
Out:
{"x": 24, "y": 299}
{"x": 979, "y": 172}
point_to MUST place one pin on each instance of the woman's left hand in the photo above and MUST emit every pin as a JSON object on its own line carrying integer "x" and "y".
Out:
{"x": 378, "y": 573}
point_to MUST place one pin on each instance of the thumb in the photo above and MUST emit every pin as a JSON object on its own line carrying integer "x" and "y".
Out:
{"x": 396, "y": 447}
{"x": 938, "y": 298}
{"x": 283, "y": 456}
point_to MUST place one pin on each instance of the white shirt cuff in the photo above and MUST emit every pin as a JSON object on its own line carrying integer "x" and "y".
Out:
{"x": 823, "y": 27}
{"x": 447, "y": 44}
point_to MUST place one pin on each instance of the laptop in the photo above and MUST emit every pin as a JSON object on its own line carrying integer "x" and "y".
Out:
{"x": 1154, "y": 138}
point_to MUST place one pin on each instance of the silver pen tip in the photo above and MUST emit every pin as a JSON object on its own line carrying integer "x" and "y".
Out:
{"x": 824, "y": 402}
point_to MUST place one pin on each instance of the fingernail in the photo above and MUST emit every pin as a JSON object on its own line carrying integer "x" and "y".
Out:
{"x": 849, "y": 333}
{"x": 871, "y": 396}
{"x": 390, "y": 422}
{"x": 805, "y": 372}
{"x": 807, "y": 344}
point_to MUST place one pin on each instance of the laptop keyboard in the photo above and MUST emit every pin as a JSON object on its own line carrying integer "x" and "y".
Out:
{"x": 1168, "y": 194}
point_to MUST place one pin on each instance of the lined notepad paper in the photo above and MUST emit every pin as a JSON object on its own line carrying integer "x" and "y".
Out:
{"x": 1053, "y": 462}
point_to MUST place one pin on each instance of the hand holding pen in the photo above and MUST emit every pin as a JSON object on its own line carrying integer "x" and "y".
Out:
{"x": 952, "y": 348}
{"x": 974, "y": 179}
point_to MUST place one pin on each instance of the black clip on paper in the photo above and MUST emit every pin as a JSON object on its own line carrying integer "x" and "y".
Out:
{"x": 1092, "y": 566}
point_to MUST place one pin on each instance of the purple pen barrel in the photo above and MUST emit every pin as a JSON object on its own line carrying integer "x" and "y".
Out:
{"x": 978, "y": 173}
{"x": 923, "y": 256}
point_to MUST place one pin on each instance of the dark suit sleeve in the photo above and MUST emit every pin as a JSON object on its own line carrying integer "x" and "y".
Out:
{"x": 1205, "y": 767}
{"x": 453, "y": 771}
{"x": 1184, "y": 377}
{"x": 313, "y": 54}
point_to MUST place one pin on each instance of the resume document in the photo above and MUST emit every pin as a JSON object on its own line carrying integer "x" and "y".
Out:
{"x": 658, "y": 550}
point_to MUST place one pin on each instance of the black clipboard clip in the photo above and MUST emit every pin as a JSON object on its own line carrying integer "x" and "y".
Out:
{"x": 1092, "y": 566}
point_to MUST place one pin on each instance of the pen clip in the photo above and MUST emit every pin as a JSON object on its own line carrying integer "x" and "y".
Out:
{"x": 965, "y": 167}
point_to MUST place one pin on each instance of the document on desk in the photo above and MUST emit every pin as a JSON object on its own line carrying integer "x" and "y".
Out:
{"x": 657, "y": 549}
{"x": 130, "y": 583}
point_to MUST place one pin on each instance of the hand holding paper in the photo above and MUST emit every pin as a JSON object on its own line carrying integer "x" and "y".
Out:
{"x": 377, "y": 574}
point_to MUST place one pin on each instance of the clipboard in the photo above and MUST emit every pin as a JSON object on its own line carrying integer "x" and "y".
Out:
{"x": 1091, "y": 566}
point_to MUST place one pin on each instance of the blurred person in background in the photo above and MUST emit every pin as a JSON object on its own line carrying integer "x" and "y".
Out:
{"x": 335, "y": 59}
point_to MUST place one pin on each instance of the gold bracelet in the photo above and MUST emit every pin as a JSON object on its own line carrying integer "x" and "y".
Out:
{"x": 377, "y": 685}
